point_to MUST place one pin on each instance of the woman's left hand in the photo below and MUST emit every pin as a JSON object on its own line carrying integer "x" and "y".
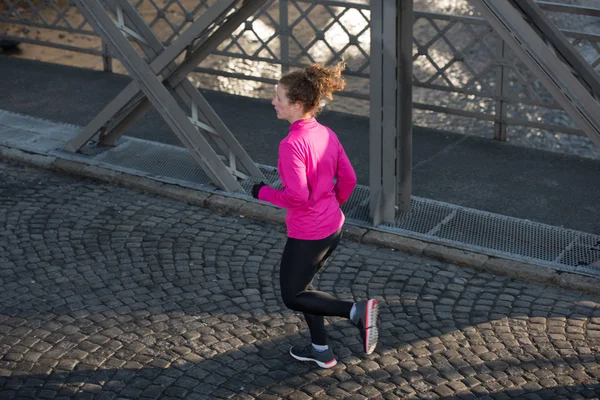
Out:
{"x": 256, "y": 189}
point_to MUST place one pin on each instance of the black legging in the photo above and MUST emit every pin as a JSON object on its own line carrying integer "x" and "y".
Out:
{"x": 301, "y": 260}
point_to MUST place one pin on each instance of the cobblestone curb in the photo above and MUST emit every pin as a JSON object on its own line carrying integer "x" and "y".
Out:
{"x": 268, "y": 213}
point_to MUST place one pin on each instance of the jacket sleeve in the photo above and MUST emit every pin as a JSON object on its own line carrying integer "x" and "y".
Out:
{"x": 296, "y": 191}
{"x": 346, "y": 178}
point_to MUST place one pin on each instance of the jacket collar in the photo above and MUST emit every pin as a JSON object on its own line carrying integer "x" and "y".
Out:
{"x": 302, "y": 123}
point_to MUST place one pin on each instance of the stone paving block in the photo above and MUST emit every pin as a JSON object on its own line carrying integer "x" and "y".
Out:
{"x": 36, "y": 160}
{"x": 394, "y": 241}
{"x": 139, "y": 183}
{"x": 68, "y": 166}
{"x": 184, "y": 194}
{"x": 519, "y": 270}
{"x": 224, "y": 204}
{"x": 100, "y": 173}
{"x": 354, "y": 233}
{"x": 459, "y": 257}
{"x": 578, "y": 282}
{"x": 263, "y": 212}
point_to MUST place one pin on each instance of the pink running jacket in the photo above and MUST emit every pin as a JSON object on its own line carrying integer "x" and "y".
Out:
{"x": 310, "y": 158}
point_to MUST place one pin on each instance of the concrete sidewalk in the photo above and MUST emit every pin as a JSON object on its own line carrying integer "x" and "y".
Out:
{"x": 109, "y": 293}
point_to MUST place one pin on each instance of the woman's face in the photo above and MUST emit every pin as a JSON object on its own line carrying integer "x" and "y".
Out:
{"x": 284, "y": 109}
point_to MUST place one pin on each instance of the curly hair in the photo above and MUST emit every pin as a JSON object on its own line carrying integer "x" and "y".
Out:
{"x": 308, "y": 86}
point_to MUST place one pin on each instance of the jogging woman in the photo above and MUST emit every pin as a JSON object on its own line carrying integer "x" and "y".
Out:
{"x": 317, "y": 178}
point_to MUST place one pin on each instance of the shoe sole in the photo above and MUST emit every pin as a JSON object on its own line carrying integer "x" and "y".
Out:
{"x": 371, "y": 330}
{"x": 329, "y": 364}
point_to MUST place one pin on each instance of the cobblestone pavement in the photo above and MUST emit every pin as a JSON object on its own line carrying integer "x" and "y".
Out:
{"x": 108, "y": 293}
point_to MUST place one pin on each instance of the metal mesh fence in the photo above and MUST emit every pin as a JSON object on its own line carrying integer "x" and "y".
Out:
{"x": 486, "y": 232}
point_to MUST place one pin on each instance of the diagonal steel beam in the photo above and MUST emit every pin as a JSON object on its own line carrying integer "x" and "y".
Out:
{"x": 124, "y": 111}
{"x": 531, "y": 46}
{"x": 127, "y": 95}
{"x": 561, "y": 43}
{"x": 185, "y": 92}
{"x": 159, "y": 96}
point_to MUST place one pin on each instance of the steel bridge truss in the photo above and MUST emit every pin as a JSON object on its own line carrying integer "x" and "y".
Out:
{"x": 163, "y": 83}
{"x": 571, "y": 80}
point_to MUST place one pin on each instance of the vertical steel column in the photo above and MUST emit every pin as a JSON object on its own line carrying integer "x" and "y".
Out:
{"x": 390, "y": 152}
{"x": 501, "y": 109}
{"x": 389, "y": 129}
{"x": 376, "y": 110}
{"x": 405, "y": 122}
{"x": 106, "y": 58}
{"x": 284, "y": 36}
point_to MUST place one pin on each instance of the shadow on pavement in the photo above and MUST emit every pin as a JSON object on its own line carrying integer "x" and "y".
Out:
{"x": 135, "y": 294}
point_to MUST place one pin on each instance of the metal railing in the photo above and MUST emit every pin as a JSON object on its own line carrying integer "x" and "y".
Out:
{"x": 459, "y": 56}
